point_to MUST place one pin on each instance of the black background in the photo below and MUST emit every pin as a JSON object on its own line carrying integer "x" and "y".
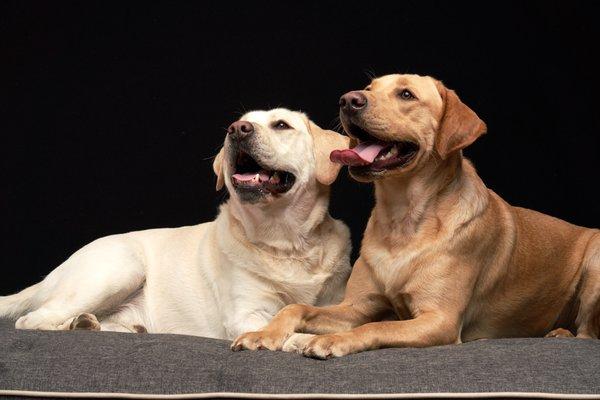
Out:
{"x": 113, "y": 111}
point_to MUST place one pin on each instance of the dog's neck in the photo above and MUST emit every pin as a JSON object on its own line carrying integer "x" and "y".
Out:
{"x": 283, "y": 227}
{"x": 448, "y": 186}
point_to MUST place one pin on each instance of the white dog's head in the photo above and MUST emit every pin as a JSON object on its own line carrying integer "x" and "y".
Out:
{"x": 272, "y": 154}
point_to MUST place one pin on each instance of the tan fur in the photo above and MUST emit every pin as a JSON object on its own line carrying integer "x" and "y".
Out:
{"x": 447, "y": 257}
{"x": 324, "y": 143}
{"x": 218, "y": 169}
{"x": 459, "y": 127}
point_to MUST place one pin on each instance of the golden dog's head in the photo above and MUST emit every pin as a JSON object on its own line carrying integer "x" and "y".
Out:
{"x": 399, "y": 122}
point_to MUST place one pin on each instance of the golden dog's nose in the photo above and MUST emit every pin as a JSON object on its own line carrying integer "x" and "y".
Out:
{"x": 351, "y": 102}
{"x": 240, "y": 129}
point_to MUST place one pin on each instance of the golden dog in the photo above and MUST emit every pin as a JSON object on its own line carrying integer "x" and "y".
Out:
{"x": 442, "y": 254}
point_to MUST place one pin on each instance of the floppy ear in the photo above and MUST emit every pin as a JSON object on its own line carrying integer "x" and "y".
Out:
{"x": 324, "y": 143}
{"x": 459, "y": 125}
{"x": 218, "y": 168}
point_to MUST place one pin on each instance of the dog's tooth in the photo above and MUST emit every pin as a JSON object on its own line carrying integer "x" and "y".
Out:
{"x": 394, "y": 150}
{"x": 275, "y": 177}
{"x": 263, "y": 177}
{"x": 385, "y": 156}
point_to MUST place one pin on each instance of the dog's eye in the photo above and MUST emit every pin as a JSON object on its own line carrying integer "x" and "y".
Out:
{"x": 406, "y": 95}
{"x": 281, "y": 124}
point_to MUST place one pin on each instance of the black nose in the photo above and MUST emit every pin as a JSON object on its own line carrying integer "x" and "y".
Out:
{"x": 353, "y": 101}
{"x": 240, "y": 129}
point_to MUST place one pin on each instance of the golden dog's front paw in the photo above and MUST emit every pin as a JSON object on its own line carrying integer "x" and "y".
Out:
{"x": 559, "y": 333}
{"x": 329, "y": 346}
{"x": 297, "y": 342}
{"x": 259, "y": 341}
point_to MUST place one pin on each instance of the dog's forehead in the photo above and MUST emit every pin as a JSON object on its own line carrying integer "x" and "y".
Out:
{"x": 423, "y": 85}
{"x": 385, "y": 82}
{"x": 265, "y": 118}
{"x": 403, "y": 80}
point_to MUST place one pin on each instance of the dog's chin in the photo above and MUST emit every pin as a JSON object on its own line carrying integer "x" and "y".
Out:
{"x": 370, "y": 173}
{"x": 365, "y": 176}
{"x": 256, "y": 195}
{"x": 387, "y": 157}
{"x": 255, "y": 182}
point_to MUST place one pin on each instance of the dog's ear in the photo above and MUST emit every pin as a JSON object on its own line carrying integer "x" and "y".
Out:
{"x": 218, "y": 168}
{"x": 324, "y": 143}
{"x": 459, "y": 125}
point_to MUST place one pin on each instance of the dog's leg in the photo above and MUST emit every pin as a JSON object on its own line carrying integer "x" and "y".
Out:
{"x": 588, "y": 316}
{"x": 89, "y": 322}
{"x": 363, "y": 303}
{"x": 300, "y": 318}
{"x": 248, "y": 321}
{"x": 98, "y": 277}
{"x": 423, "y": 331}
{"x": 128, "y": 319}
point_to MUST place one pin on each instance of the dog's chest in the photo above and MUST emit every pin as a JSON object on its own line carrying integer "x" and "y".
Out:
{"x": 392, "y": 270}
{"x": 289, "y": 279}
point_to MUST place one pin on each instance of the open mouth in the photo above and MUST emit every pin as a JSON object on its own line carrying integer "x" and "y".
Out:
{"x": 374, "y": 155}
{"x": 250, "y": 177}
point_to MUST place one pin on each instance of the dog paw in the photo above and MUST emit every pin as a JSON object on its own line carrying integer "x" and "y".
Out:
{"x": 40, "y": 319}
{"x": 297, "y": 342}
{"x": 559, "y": 333}
{"x": 260, "y": 340}
{"x": 85, "y": 322}
{"x": 324, "y": 347}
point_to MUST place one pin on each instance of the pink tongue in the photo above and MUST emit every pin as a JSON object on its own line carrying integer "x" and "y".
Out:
{"x": 362, "y": 154}
{"x": 248, "y": 177}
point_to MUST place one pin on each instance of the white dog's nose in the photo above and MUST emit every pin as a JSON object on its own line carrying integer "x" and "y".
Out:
{"x": 240, "y": 129}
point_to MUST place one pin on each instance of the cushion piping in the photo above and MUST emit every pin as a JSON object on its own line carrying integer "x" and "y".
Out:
{"x": 242, "y": 395}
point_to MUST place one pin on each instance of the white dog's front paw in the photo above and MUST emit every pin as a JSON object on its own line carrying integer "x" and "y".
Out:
{"x": 297, "y": 342}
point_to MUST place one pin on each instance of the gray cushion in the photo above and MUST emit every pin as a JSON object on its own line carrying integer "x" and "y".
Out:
{"x": 101, "y": 362}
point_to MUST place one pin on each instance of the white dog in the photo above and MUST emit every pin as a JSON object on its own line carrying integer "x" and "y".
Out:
{"x": 273, "y": 243}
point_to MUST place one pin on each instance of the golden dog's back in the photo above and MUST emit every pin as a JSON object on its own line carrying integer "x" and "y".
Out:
{"x": 534, "y": 291}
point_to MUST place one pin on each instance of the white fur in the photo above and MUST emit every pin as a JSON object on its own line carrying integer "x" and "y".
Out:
{"x": 217, "y": 279}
